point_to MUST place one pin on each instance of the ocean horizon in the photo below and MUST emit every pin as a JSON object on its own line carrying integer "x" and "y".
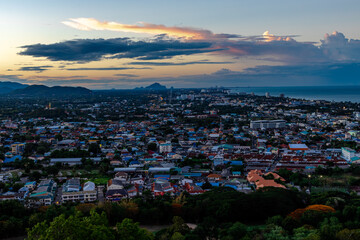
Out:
{"x": 329, "y": 93}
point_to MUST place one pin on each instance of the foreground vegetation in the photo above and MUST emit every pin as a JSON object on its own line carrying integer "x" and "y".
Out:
{"x": 221, "y": 213}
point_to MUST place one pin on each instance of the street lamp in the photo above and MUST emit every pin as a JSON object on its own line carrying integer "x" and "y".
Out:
{"x": 309, "y": 178}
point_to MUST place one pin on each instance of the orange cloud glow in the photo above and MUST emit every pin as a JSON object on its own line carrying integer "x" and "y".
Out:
{"x": 148, "y": 28}
{"x": 271, "y": 37}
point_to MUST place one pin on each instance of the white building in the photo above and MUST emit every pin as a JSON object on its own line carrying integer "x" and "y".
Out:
{"x": 165, "y": 147}
{"x": 267, "y": 124}
{"x": 348, "y": 153}
{"x": 88, "y": 194}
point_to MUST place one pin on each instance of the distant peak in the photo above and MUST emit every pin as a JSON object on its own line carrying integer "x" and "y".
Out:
{"x": 156, "y": 86}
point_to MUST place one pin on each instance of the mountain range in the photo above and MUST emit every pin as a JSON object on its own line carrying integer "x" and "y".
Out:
{"x": 22, "y": 90}
{"x": 7, "y": 87}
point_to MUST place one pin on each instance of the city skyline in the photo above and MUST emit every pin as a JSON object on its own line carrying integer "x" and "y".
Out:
{"x": 118, "y": 44}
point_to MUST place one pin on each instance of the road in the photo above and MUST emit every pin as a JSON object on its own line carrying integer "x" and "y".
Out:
{"x": 100, "y": 193}
{"x": 58, "y": 195}
{"x": 272, "y": 168}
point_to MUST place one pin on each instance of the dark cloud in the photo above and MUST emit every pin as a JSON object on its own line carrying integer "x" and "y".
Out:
{"x": 35, "y": 68}
{"x": 64, "y": 82}
{"x": 12, "y": 78}
{"x": 175, "y": 63}
{"x": 104, "y": 69}
{"x": 126, "y": 75}
{"x": 284, "y": 51}
{"x": 86, "y": 50}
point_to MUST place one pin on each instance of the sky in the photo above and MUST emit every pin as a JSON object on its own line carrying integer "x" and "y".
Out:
{"x": 203, "y": 43}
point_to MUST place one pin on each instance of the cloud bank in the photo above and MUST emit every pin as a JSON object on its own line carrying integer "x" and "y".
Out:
{"x": 87, "y": 50}
{"x": 334, "y": 59}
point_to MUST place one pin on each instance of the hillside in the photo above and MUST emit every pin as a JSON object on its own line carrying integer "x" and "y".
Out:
{"x": 7, "y": 87}
{"x": 44, "y": 91}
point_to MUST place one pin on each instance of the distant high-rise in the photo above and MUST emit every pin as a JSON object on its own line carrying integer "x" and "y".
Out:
{"x": 267, "y": 94}
{"x": 282, "y": 95}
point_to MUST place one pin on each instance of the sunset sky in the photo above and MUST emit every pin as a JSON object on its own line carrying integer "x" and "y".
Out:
{"x": 126, "y": 44}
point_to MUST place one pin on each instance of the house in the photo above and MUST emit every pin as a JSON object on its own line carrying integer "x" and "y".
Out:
{"x": 116, "y": 194}
{"x": 218, "y": 160}
{"x": 121, "y": 176}
{"x": 214, "y": 177}
{"x": 161, "y": 187}
{"x": 193, "y": 189}
{"x": 115, "y": 184}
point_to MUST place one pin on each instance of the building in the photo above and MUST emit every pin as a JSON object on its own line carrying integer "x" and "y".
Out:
{"x": 265, "y": 124}
{"x": 72, "y": 185}
{"x": 30, "y": 185}
{"x": 298, "y": 147}
{"x": 348, "y": 153}
{"x": 44, "y": 194}
{"x": 72, "y": 161}
{"x": 71, "y": 191}
{"x": 165, "y": 147}
{"x": 17, "y": 148}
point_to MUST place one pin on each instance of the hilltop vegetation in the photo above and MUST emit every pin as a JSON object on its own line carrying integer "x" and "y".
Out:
{"x": 221, "y": 213}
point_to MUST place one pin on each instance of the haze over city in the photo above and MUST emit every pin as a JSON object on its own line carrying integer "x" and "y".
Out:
{"x": 127, "y": 44}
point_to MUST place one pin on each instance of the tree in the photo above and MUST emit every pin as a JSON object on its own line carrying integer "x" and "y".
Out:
{"x": 177, "y": 236}
{"x": 152, "y": 146}
{"x": 74, "y": 227}
{"x": 329, "y": 228}
{"x": 94, "y": 148}
{"x": 35, "y": 176}
{"x": 276, "y": 233}
{"x": 347, "y": 234}
{"x": 305, "y": 233}
{"x": 128, "y": 230}
{"x": 59, "y": 137}
{"x": 237, "y": 230}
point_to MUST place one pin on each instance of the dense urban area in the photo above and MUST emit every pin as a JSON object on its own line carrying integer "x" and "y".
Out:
{"x": 160, "y": 163}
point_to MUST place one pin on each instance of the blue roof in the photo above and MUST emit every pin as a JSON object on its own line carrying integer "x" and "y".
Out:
{"x": 234, "y": 163}
{"x": 30, "y": 183}
{"x": 12, "y": 159}
{"x": 232, "y": 186}
{"x": 191, "y": 174}
{"x": 162, "y": 176}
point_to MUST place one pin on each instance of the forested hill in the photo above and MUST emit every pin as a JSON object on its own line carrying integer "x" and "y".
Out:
{"x": 44, "y": 91}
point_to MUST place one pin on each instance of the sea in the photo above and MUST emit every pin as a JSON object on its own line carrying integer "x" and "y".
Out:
{"x": 329, "y": 93}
